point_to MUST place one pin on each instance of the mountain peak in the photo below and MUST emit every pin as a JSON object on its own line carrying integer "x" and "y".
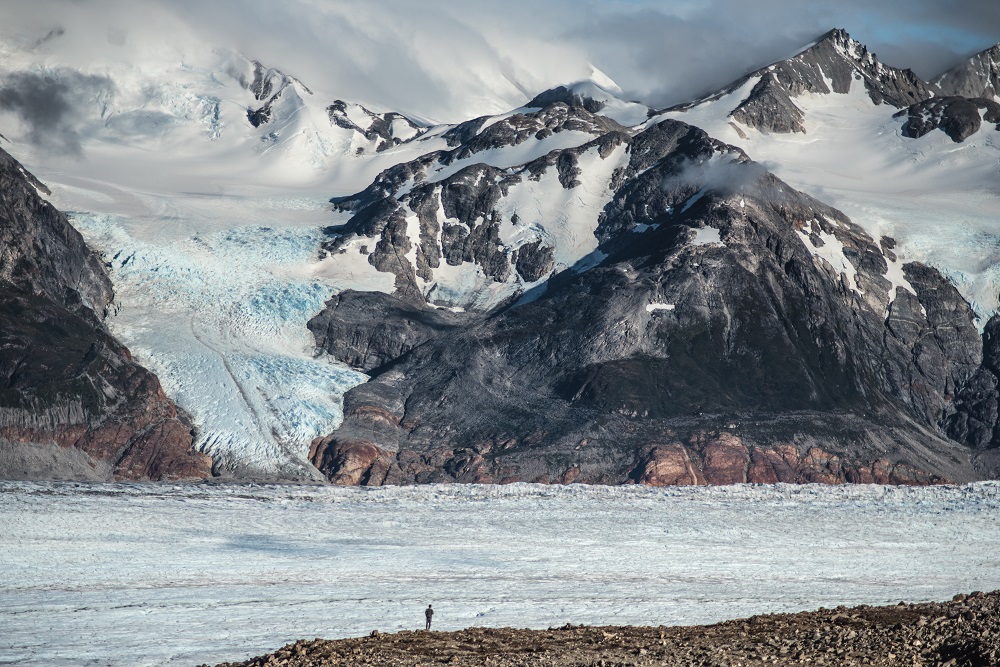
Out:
{"x": 834, "y": 63}
{"x": 979, "y": 76}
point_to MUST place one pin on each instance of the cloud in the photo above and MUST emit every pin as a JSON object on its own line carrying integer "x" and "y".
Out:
{"x": 52, "y": 105}
{"x": 447, "y": 61}
{"x": 723, "y": 175}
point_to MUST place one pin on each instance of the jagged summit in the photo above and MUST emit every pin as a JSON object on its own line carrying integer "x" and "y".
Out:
{"x": 831, "y": 64}
{"x": 979, "y": 76}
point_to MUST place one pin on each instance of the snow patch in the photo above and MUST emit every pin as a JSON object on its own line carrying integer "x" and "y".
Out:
{"x": 653, "y": 307}
{"x": 694, "y": 199}
{"x": 831, "y": 250}
{"x": 706, "y": 236}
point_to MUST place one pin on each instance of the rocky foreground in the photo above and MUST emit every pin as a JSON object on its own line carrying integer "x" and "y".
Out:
{"x": 962, "y": 633}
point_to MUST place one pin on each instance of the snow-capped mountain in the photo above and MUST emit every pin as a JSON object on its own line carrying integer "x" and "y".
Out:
{"x": 580, "y": 243}
{"x": 977, "y": 77}
{"x": 650, "y": 364}
{"x": 865, "y": 158}
{"x": 766, "y": 99}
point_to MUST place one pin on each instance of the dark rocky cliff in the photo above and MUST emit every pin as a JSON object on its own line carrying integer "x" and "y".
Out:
{"x": 73, "y": 403}
{"x": 749, "y": 333}
{"x": 958, "y": 117}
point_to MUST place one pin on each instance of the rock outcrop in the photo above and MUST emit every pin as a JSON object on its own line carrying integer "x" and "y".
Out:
{"x": 958, "y": 117}
{"x": 369, "y": 329}
{"x": 267, "y": 86}
{"x": 736, "y": 330}
{"x": 384, "y": 130}
{"x": 69, "y": 392}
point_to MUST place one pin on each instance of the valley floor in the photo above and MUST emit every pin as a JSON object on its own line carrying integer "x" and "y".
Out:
{"x": 145, "y": 575}
{"x": 965, "y": 631}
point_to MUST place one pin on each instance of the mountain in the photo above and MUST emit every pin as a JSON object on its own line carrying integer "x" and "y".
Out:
{"x": 890, "y": 165}
{"x": 488, "y": 218}
{"x": 579, "y": 288}
{"x": 73, "y": 403}
{"x": 977, "y": 77}
{"x": 734, "y": 330}
{"x": 766, "y": 99}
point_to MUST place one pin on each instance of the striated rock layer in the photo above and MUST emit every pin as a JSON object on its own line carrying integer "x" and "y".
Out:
{"x": 736, "y": 330}
{"x": 73, "y": 403}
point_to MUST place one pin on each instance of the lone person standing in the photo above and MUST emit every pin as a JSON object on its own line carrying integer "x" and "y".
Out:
{"x": 428, "y": 614}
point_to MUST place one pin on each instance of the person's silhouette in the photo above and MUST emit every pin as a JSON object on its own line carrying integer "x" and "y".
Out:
{"x": 428, "y": 613}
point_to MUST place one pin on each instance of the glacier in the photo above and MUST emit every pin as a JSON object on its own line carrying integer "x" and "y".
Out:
{"x": 143, "y": 575}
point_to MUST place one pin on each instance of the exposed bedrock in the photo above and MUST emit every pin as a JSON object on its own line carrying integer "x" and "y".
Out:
{"x": 73, "y": 403}
{"x": 979, "y": 76}
{"x": 459, "y": 214}
{"x": 749, "y": 333}
{"x": 958, "y": 117}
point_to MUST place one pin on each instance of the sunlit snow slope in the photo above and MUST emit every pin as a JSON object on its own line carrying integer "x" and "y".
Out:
{"x": 939, "y": 200}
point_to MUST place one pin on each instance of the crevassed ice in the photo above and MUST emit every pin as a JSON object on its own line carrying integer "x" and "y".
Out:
{"x": 221, "y": 319}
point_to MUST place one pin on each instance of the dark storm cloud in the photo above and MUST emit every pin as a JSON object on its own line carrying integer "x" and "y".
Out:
{"x": 53, "y": 105}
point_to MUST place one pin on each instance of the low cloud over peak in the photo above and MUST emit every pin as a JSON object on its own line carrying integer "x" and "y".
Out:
{"x": 446, "y": 61}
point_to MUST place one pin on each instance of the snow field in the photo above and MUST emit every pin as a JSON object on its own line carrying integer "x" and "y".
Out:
{"x": 160, "y": 574}
{"x": 939, "y": 200}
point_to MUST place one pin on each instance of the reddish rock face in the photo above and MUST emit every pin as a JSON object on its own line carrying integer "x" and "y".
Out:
{"x": 706, "y": 458}
{"x": 669, "y": 465}
{"x": 571, "y": 475}
{"x": 64, "y": 379}
{"x": 351, "y": 462}
{"x": 723, "y": 458}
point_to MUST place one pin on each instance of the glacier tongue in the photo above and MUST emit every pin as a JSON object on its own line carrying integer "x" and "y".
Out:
{"x": 221, "y": 319}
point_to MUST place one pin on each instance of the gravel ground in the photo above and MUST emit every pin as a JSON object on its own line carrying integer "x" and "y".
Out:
{"x": 962, "y": 633}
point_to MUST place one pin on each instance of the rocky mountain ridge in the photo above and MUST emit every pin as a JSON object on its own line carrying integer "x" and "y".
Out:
{"x": 828, "y": 66}
{"x": 73, "y": 403}
{"x": 733, "y": 330}
{"x": 979, "y": 76}
{"x": 765, "y": 99}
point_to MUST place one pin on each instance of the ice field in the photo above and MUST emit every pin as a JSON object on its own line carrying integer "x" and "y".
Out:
{"x": 181, "y": 575}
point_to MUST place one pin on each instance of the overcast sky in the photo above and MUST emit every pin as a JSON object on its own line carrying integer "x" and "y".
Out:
{"x": 446, "y": 59}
